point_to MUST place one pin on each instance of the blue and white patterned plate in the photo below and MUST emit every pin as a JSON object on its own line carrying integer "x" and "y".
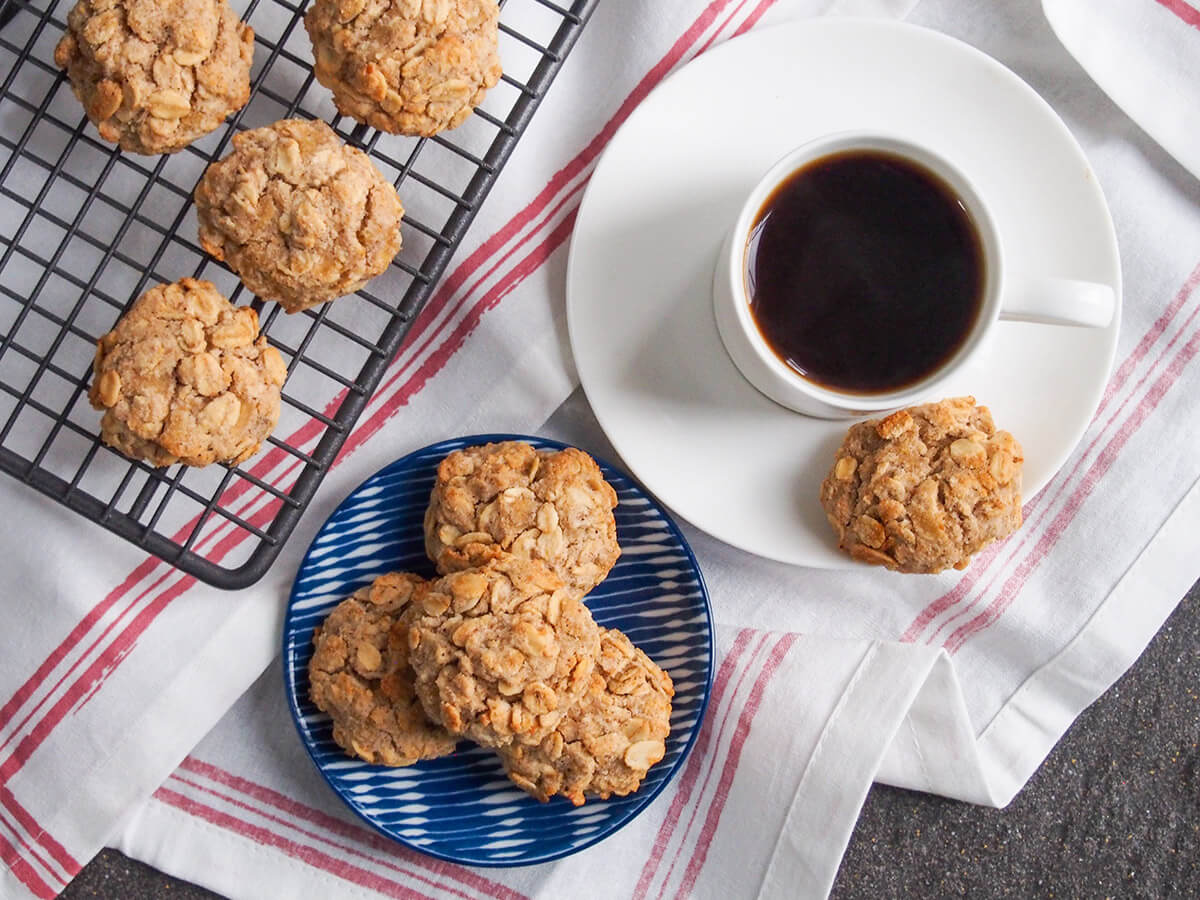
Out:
{"x": 463, "y": 808}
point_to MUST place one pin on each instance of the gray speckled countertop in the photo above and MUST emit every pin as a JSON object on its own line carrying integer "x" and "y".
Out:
{"x": 1113, "y": 812}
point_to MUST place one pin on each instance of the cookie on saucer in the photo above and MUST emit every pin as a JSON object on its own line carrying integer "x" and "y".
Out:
{"x": 298, "y": 215}
{"x": 925, "y": 488}
{"x": 406, "y": 66}
{"x": 186, "y": 377}
{"x": 549, "y": 505}
{"x": 155, "y": 75}
{"x": 359, "y": 675}
{"x": 607, "y": 742}
{"x": 501, "y": 652}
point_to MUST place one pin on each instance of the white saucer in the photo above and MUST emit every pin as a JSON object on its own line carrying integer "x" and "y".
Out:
{"x": 668, "y": 187}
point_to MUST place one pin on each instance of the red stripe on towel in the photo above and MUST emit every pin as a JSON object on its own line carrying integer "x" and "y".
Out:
{"x": 700, "y": 756}
{"x": 730, "y": 767}
{"x": 1184, "y": 10}
{"x": 313, "y": 857}
{"x": 266, "y": 795}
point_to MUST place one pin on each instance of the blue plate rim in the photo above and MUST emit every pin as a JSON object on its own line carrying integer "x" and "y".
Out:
{"x": 643, "y": 801}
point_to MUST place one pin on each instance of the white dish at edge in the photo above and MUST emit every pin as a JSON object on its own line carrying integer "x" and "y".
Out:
{"x": 667, "y": 189}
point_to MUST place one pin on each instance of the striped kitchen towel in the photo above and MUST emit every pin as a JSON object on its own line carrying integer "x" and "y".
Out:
{"x": 116, "y": 666}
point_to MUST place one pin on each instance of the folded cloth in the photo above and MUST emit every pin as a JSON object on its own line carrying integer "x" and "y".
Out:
{"x": 1146, "y": 56}
{"x": 252, "y": 818}
{"x": 115, "y": 665}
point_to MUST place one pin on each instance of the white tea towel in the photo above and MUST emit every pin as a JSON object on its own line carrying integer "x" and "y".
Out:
{"x": 252, "y": 818}
{"x": 1146, "y": 56}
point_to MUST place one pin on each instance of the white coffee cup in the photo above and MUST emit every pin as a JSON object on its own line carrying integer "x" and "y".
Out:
{"x": 1006, "y": 294}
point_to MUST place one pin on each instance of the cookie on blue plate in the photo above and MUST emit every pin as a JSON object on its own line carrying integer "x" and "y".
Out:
{"x": 359, "y": 674}
{"x": 608, "y": 741}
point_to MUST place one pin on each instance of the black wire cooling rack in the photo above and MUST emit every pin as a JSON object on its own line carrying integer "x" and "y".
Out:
{"x": 85, "y": 229}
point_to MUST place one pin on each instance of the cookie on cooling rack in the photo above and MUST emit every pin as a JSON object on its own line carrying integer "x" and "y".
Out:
{"x": 500, "y": 652}
{"x": 406, "y": 66}
{"x": 359, "y": 675}
{"x": 185, "y": 377}
{"x": 550, "y": 505}
{"x": 608, "y": 741}
{"x": 301, "y": 217}
{"x": 155, "y": 75}
{"x": 925, "y": 488}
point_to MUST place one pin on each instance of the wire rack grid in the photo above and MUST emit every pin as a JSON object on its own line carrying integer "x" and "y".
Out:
{"x": 85, "y": 229}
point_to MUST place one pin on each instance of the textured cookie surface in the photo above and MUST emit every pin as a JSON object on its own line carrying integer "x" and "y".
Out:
{"x": 155, "y": 75}
{"x": 554, "y": 506}
{"x": 609, "y": 739}
{"x": 406, "y": 66}
{"x": 185, "y": 377}
{"x": 359, "y": 674}
{"x": 924, "y": 488}
{"x": 501, "y": 652}
{"x": 301, "y": 217}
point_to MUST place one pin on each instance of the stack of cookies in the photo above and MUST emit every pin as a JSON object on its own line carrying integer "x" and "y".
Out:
{"x": 501, "y": 648}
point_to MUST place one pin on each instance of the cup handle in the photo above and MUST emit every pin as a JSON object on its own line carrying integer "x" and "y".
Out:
{"x": 1058, "y": 301}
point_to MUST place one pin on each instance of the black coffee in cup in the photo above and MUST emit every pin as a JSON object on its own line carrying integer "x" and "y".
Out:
{"x": 865, "y": 272}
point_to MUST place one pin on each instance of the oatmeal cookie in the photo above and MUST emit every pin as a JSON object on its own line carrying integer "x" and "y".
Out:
{"x": 185, "y": 377}
{"x": 359, "y": 674}
{"x": 406, "y": 66}
{"x": 925, "y": 488}
{"x": 301, "y": 217}
{"x": 501, "y": 652}
{"x": 155, "y": 75}
{"x": 609, "y": 739}
{"x": 536, "y": 504}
